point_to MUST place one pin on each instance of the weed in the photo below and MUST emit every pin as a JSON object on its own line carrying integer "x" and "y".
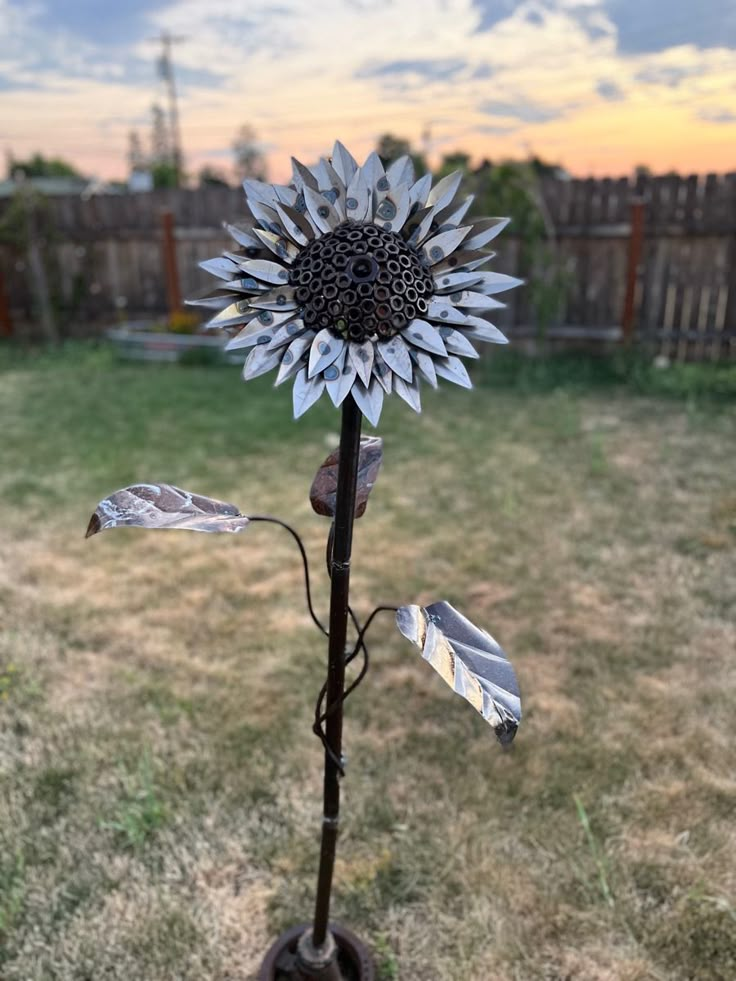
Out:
{"x": 140, "y": 813}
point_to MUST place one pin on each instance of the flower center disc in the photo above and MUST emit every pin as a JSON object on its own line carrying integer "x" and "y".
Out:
{"x": 361, "y": 282}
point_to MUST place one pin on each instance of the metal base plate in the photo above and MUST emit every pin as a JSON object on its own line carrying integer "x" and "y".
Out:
{"x": 354, "y": 958}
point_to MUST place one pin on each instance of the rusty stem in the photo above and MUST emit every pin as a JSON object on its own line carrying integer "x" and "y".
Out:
{"x": 340, "y": 586}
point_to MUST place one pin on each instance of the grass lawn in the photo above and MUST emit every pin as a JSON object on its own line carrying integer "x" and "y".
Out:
{"x": 160, "y": 788}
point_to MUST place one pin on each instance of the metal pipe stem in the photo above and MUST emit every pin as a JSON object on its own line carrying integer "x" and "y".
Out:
{"x": 347, "y": 476}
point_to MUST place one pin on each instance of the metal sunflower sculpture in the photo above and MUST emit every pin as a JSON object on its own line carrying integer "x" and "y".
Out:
{"x": 357, "y": 280}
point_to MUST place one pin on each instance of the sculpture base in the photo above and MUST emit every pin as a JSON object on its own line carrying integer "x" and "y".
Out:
{"x": 280, "y": 963}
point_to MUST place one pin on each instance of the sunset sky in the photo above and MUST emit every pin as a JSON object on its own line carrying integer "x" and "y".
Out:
{"x": 597, "y": 85}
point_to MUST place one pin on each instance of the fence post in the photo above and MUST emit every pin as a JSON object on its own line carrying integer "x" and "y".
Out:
{"x": 636, "y": 239}
{"x": 171, "y": 268}
{"x": 6, "y": 321}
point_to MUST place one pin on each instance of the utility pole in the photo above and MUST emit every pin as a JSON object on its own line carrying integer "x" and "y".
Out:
{"x": 166, "y": 72}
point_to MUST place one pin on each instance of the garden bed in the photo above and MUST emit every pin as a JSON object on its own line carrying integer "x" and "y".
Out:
{"x": 139, "y": 341}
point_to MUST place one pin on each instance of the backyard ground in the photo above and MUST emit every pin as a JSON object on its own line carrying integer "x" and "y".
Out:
{"x": 159, "y": 783}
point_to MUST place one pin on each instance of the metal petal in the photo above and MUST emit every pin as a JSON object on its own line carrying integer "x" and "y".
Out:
{"x": 445, "y": 313}
{"x": 286, "y": 333}
{"x": 213, "y": 302}
{"x": 419, "y": 225}
{"x": 481, "y": 330}
{"x": 266, "y": 216}
{"x": 453, "y": 370}
{"x": 469, "y": 660}
{"x": 220, "y": 267}
{"x": 450, "y": 282}
{"x": 401, "y": 171}
{"x": 486, "y": 230}
{"x": 295, "y": 225}
{"x": 396, "y": 355}
{"x": 424, "y": 335}
{"x": 302, "y": 176}
{"x": 374, "y": 173}
{"x": 453, "y": 214}
{"x": 439, "y": 247}
{"x": 306, "y": 392}
{"x": 235, "y": 313}
{"x": 344, "y": 163}
{"x": 333, "y": 371}
{"x": 464, "y": 261}
{"x": 392, "y": 208}
{"x": 330, "y": 186}
{"x": 280, "y": 246}
{"x": 294, "y": 357}
{"x": 444, "y": 191}
{"x": 369, "y": 400}
{"x": 424, "y": 364}
{"x": 246, "y": 239}
{"x": 338, "y": 388}
{"x": 361, "y": 356}
{"x": 323, "y": 492}
{"x": 286, "y": 195}
{"x": 247, "y": 284}
{"x": 358, "y": 198}
{"x": 259, "y": 191}
{"x": 420, "y": 190}
{"x": 266, "y": 271}
{"x": 409, "y": 393}
{"x": 323, "y": 214}
{"x": 494, "y": 282}
{"x": 381, "y": 372}
{"x": 282, "y": 298}
{"x": 469, "y": 300}
{"x": 163, "y": 506}
{"x": 252, "y": 334}
{"x": 457, "y": 343}
{"x": 325, "y": 348}
{"x": 259, "y": 361}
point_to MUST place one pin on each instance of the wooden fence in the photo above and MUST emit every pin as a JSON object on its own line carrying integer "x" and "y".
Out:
{"x": 654, "y": 260}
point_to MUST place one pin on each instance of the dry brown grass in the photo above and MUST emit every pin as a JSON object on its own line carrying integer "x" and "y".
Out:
{"x": 160, "y": 804}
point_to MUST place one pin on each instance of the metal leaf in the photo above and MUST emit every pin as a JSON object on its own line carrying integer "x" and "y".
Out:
{"x": 323, "y": 491}
{"x": 469, "y": 660}
{"x": 164, "y": 506}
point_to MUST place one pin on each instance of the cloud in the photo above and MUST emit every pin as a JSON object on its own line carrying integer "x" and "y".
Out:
{"x": 669, "y": 75}
{"x": 609, "y": 91}
{"x": 716, "y": 114}
{"x": 428, "y": 69}
{"x": 525, "y": 112}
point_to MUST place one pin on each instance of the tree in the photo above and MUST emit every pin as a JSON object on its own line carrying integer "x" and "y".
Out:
{"x": 250, "y": 161}
{"x": 211, "y": 177}
{"x": 40, "y": 166}
{"x": 165, "y": 174}
{"x": 392, "y": 147}
{"x": 457, "y": 160}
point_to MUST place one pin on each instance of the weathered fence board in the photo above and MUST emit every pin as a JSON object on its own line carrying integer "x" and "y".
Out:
{"x": 105, "y": 260}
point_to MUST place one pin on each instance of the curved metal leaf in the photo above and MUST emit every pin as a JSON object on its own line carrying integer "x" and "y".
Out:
{"x": 469, "y": 660}
{"x": 323, "y": 491}
{"x": 164, "y": 506}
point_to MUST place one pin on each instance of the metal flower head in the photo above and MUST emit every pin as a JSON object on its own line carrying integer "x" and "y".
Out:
{"x": 357, "y": 280}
